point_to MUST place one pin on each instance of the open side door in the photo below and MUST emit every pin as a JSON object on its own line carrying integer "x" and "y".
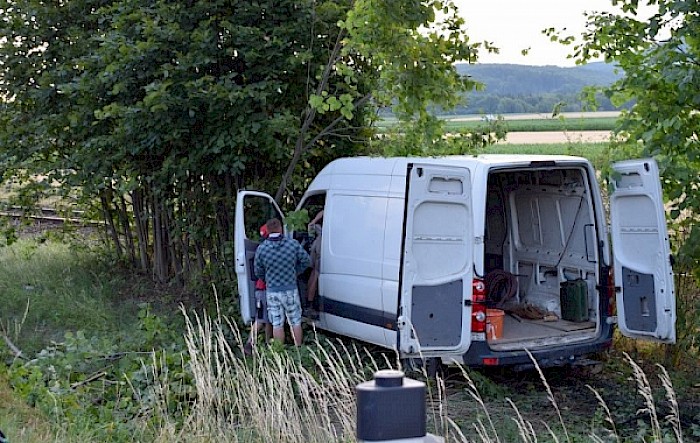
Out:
{"x": 253, "y": 209}
{"x": 437, "y": 261}
{"x": 646, "y": 301}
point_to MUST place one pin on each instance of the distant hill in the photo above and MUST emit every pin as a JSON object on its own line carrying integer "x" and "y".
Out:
{"x": 508, "y": 79}
{"x": 523, "y": 88}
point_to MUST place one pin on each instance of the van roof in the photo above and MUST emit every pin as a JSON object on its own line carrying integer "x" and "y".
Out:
{"x": 389, "y": 165}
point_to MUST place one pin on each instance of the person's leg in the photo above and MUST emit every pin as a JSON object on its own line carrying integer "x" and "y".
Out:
{"x": 313, "y": 285}
{"x": 278, "y": 334}
{"x": 254, "y": 329}
{"x": 275, "y": 313}
{"x": 309, "y": 310}
{"x": 297, "y": 335}
{"x": 268, "y": 332}
{"x": 292, "y": 306}
{"x": 265, "y": 319}
{"x": 252, "y": 339}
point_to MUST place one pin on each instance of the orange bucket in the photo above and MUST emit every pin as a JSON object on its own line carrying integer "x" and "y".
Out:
{"x": 494, "y": 324}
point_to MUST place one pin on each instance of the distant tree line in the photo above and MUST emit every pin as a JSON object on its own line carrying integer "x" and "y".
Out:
{"x": 485, "y": 103}
{"x": 529, "y": 89}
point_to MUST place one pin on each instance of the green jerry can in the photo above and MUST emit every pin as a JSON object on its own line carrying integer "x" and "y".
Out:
{"x": 573, "y": 295}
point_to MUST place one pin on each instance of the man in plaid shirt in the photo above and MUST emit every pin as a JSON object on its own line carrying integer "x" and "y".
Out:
{"x": 278, "y": 261}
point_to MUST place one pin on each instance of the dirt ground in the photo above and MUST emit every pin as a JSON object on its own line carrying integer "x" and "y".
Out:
{"x": 572, "y": 389}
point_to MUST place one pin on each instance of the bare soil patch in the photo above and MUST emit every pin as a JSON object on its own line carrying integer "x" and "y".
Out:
{"x": 524, "y": 138}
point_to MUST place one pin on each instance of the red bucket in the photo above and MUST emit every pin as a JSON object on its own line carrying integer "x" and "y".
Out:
{"x": 494, "y": 324}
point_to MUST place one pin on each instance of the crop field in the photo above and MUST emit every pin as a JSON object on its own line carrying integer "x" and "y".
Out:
{"x": 541, "y": 125}
{"x": 526, "y": 123}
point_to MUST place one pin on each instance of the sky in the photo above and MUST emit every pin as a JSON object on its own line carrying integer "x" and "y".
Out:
{"x": 514, "y": 25}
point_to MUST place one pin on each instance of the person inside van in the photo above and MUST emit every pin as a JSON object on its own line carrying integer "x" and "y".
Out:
{"x": 315, "y": 225}
{"x": 278, "y": 261}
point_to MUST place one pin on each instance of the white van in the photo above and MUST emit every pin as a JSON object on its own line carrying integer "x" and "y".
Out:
{"x": 408, "y": 243}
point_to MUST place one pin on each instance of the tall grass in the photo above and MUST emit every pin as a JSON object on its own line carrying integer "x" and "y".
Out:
{"x": 271, "y": 397}
{"x": 47, "y": 288}
{"x": 274, "y": 397}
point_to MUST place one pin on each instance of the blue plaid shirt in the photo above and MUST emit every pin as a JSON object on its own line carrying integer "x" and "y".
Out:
{"x": 278, "y": 261}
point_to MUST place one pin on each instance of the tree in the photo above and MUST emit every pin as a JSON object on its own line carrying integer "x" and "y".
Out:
{"x": 159, "y": 111}
{"x": 414, "y": 47}
{"x": 660, "y": 58}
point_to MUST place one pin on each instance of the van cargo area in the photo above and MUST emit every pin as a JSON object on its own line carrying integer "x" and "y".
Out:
{"x": 540, "y": 257}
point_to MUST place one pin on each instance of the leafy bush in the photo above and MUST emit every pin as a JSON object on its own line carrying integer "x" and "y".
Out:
{"x": 92, "y": 382}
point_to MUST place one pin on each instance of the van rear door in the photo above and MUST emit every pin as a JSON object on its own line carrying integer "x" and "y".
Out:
{"x": 646, "y": 300}
{"x": 253, "y": 209}
{"x": 436, "y": 264}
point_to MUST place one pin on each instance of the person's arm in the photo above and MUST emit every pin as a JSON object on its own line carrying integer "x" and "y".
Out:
{"x": 303, "y": 259}
{"x": 315, "y": 220}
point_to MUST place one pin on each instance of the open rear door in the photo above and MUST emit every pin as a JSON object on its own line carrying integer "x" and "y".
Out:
{"x": 436, "y": 267}
{"x": 646, "y": 300}
{"x": 253, "y": 209}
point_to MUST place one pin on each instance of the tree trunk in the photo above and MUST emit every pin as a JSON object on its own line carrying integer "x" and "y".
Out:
{"x": 173, "y": 244}
{"x": 201, "y": 263}
{"x": 126, "y": 226}
{"x": 140, "y": 218}
{"x": 159, "y": 246}
{"x": 109, "y": 219}
{"x": 183, "y": 238}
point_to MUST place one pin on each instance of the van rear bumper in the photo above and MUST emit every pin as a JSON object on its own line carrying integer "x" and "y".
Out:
{"x": 481, "y": 355}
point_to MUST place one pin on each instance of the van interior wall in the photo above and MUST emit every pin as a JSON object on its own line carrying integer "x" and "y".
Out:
{"x": 539, "y": 227}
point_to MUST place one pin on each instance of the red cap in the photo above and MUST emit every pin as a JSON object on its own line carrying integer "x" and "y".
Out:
{"x": 263, "y": 231}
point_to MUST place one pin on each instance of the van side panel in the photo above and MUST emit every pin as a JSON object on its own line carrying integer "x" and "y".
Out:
{"x": 351, "y": 280}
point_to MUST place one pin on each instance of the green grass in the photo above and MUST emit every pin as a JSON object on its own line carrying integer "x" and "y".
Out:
{"x": 528, "y": 125}
{"x": 19, "y": 422}
{"x": 597, "y": 153}
{"x": 48, "y": 288}
{"x": 540, "y": 125}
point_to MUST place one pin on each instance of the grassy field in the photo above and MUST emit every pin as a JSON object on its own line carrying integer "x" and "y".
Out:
{"x": 80, "y": 398}
{"x": 541, "y": 125}
{"x": 49, "y": 288}
{"x": 454, "y": 124}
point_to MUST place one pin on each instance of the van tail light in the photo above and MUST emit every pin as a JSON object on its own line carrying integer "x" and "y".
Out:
{"x": 478, "y": 306}
{"x": 489, "y": 361}
{"x": 612, "y": 306}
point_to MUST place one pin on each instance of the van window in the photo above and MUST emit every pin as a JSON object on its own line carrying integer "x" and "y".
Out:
{"x": 314, "y": 204}
{"x": 257, "y": 211}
